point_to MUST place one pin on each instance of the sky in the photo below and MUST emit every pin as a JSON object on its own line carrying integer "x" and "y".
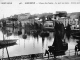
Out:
{"x": 7, "y": 10}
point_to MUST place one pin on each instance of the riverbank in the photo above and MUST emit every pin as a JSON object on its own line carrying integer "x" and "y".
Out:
{"x": 40, "y": 56}
{"x": 62, "y": 58}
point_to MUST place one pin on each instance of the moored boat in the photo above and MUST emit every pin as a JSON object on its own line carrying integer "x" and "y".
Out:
{"x": 4, "y": 46}
{"x": 7, "y": 42}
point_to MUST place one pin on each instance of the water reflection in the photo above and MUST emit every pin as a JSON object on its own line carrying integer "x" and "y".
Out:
{"x": 68, "y": 32}
{"x": 31, "y": 41}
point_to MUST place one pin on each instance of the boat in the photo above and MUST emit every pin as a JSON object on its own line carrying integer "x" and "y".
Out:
{"x": 24, "y": 36}
{"x": 49, "y": 25}
{"x": 4, "y": 46}
{"x": 7, "y": 42}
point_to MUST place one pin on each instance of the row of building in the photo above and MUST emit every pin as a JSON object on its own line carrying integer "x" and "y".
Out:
{"x": 23, "y": 18}
{"x": 73, "y": 22}
{"x": 65, "y": 20}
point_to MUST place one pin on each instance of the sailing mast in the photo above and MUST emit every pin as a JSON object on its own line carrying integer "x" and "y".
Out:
{"x": 7, "y": 53}
{"x": 3, "y": 40}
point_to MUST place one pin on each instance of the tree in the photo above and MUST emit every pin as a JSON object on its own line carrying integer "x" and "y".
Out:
{"x": 12, "y": 19}
{"x": 43, "y": 19}
{"x": 32, "y": 17}
{"x": 61, "y": 14}
{"x": 49, "y": 17}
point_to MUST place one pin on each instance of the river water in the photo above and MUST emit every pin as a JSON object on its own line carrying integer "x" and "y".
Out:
{"x": 30, "y": 45}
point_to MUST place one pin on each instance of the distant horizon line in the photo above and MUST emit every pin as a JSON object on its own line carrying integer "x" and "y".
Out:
{"x": 37, "y": 13}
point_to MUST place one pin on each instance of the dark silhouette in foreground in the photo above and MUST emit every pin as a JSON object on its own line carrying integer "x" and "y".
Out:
{"x": 58, "y": 47}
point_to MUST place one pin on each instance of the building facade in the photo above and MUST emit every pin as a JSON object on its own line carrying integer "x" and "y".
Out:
{"x": 66, "y": 20}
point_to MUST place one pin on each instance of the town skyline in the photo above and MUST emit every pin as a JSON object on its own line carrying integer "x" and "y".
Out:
{"x": 7, "y": 10}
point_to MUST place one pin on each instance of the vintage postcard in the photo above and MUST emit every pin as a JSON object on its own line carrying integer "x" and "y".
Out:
{"x": 39, "y": 29}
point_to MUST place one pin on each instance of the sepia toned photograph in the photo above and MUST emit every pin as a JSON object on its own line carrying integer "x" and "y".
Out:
{"x": 39, "y": 30}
